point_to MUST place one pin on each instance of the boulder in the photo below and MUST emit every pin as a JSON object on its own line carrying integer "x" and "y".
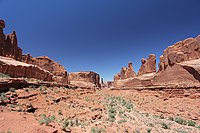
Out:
{"x": 148, "y": 65}
{"x": 91, "y": 79}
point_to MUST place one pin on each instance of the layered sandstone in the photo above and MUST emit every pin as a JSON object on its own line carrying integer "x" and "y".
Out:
{"x": 186, "y": 50}
{"x": 126, "y": 72}
{"x": 18, "y": 69}
{"x": 8, "y": 44}
{"x": 148, "y": 65}
{"x": 9, "y": 48}
{"x": 179, "y": 67}
{"x": 44, "y": 62}
{"x": 84, "y": 79}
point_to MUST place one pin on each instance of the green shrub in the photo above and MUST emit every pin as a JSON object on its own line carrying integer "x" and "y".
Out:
{"x": 171, "y": 118}
{"x": 148, "y": 130}
{"x": 191, "y": 123}
{"x": 65, "y": 124}
{"x": 4, "y": 75}
{"x": 96, "y": 130}
{"x": 122, "y": 121}
{"x": 12, "y": 89}
{"x": 181, "y": 121}
{"x": 59, "y": 112}
{"x": 46, "y": 120}
{"x": 165, "y": 126}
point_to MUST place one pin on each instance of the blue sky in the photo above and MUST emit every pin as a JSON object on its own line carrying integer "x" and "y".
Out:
{"x": 100, "y": 35}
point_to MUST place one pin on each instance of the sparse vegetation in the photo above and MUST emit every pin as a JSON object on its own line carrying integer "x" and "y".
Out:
{"x": 165, "y": 125}
{"x": 12, "y": 89}
{"x": 46, "y": 120}
{"x": 96, "y": 130}
{"x": 65, "y": 124}
{"x": 171, "y": 118}
{"x": 4, "y": 75}
{"x": 148, "y": 130}
{"x": 60, "y": 112}
{"x": 191, "y": 123}
{"x": 181, "y": 121}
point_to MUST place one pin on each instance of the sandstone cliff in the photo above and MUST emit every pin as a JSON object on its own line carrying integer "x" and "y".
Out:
{"x": 179, "y": 67}
{"x": 9, "y": 48}
{"x": 44, "y": 62}
{"x": 18, "y": 69}
{"x": 84, "y": 79}
{"x": 148, "y": 65}
{"x": 126, "y": 72}
{"x": 8, "y": 44}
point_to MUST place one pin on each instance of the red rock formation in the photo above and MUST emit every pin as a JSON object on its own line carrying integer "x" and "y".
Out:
{"x": 126, "y": 72}
{"x": 8, "y": 44}
{"x": 81, "y": 78}
{"x": 19, "y": 69}
{"x": 44, "y": 62}
{"x": 186, "y": 50}
{"x": 179, "y": 67}
{"x": 129, "y": 71}
{"x": 9, "y": 48}
{"x": 148, "y": 66}
{"x": 117, "y": 77}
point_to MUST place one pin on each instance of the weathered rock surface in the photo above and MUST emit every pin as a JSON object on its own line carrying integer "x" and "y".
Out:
{"x": 187, "y": 72}
{"x": 148, "y": 65}
{"x": 44, "y": 62}
{"x": 8, "y": 44}
{"x": 17, "y": 69}
{"x": 179, "y": 67}
{"x": 186, "y": 50}
{"x": 84, "y": 79}
{"x": 126, "y": 72}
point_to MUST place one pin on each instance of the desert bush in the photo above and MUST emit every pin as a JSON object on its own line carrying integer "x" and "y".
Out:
{"x": 96, "y": 130}
{"x": 4, "y": 75}
{"x": 60, "y": 112}
{"x": 181, "y": 121}
{"x": 12, "y": 89}
{"x": 46, "y": 120}
{"x": 65, "y": 124}
{"x": 165, "y": 125}
{"x": 191, "y": 123}
{"x": 171, "y": 118}
{"x": 122, "y": 121}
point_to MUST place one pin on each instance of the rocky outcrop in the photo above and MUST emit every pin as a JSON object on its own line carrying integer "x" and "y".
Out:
{"x": 187, "y": 73}
{"x": 126, "y": 72}
{"x": 44, "y": 62}
{"x": 186, "y": 50}
{"x": 18, "y": 69}
{"x": 9, "y": 48}
{"x": 148, "y": 65}
{"x": 8, "y": 44}
{"x": 179, "y": 67}
{"x": 84, "y": 79}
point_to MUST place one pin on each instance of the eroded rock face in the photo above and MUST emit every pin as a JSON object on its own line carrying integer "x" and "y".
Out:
{"x": 126, "y": 72}
{"x": 186, "y": 50}
{"x": 44, "y": 62}
{"x": 187, "y": 72}
{"x": 148, "y": 65}
{"x": 18, "y": 69}
{"x": 87, "y": 78}
{"x": 8, "y": 44}
{"x": 179, "y": 67}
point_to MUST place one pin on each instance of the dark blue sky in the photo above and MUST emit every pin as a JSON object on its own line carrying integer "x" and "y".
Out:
{"x": 100, "y": 35}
